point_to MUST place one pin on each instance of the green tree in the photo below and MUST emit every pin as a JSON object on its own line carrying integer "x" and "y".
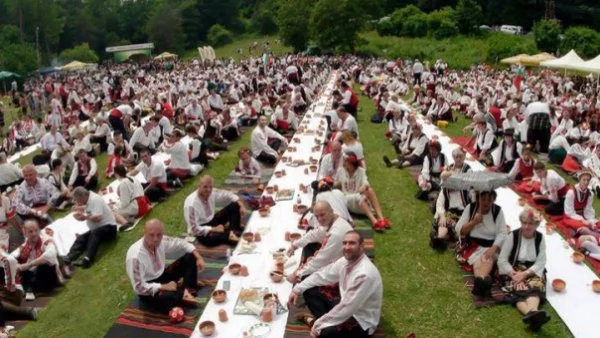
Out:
{"x": 435, "y": 18}
{"x": 334, "y": 24}
{"x": 82, "y": 53}
{"x": 585, "y": 41}
{"x": 400, "y": 16}
{"x": 501, "y": 46}
{"x": 416, "y": 26}
{"x": 546, "y": 34}
{"x": 165, "y": 29}
{"x": 19, "y": 58}
{"x": 468, "y": 16}
{"x": 264, "y": 21}
{"x": 447, "y": 29}
{"x": 293, "y": 20}
{"x": 219, "y": 36}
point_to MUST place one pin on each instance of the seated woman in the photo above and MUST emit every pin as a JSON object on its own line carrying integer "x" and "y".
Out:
{"x": 284, "y": 120}
{"x": 351, "y": 145}
{"x": 552, "y": 191}
{"x": 133, "y": 203}
{"x": 579, "y": 211}
{"x": 413, "y": 151}
{"x": 485, "y": 140}
{"x": 360, "y": 197}
{"x": 248, "y": 167}
{"x": 56, "y": 178}
{"x": 577, "y": 153}
{"x": 449, "y": 205}
{"x": 506, "y": 154}
{"x": 522, "y": 169}
{"x": 396, "y": 126}
{"x": 482, "y": 229}
{"x": 115, "y": 159}
{"x": 522, "y": 263}
{"x": 433, "y": 165}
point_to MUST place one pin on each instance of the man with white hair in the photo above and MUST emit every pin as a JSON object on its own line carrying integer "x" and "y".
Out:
{"x": 266, "y": 142}
{"x": 34, "y": 196}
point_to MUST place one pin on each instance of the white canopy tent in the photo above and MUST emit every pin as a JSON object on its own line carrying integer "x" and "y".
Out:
{"x": 570, "y": 61}
{"x": 592, "y": 65}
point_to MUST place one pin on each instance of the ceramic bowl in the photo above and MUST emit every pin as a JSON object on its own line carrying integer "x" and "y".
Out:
{"x": 578, "y": 257}
{"x": 559, "y": 285}
{"x": 276, "y": 276}
{"x": 219, "y": 296}
{"x": 207, "y": 328}
{"x": 234, "y": 268}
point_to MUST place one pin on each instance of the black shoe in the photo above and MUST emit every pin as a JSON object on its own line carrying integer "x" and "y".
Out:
{"x": 527, "y": 318}
{"x": 477, "y": 284}
{"x": 387, "y": 161}
{"x": 538, "y": 320}
{"x": 439, "y": 244}
{"x": 84, "y": 263}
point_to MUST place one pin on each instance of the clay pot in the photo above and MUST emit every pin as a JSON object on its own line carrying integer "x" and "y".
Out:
{"x": 578, "y": 257}
{"x": 219, "y": 296}
{"x": 559, "y": 285}
{"x": 596, "y": 286}
{"x": 234, "y": 268}
{"x": 276, "y": 276}
{"x": 207, "y": 328}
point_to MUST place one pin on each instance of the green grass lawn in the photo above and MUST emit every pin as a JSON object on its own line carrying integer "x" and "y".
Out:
{"x": 230, "y": 50}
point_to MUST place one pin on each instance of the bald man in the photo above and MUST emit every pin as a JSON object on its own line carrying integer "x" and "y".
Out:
{"x": 210, "y": 227}
{"x": 323, "y": 244}
{"x": 34, "y": 197}
{"x": 155, "y": 284}
{"x": 37, "y": 260}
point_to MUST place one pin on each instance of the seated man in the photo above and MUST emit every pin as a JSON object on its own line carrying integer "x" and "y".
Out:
{"x": 360, "y": 197}
{"x": 133, "y": 204}
{"x": 38, "y": 261}
{"x": 485, "y": 139}
{"x": 552, "y": 191}
{"x": 506, "y": 154}
{"x": 11, "y": 293}
{"x": 433, "y": 165}
{"x": 153, "y": 282}
{"x": 210, "y": 227}
{"x": 53, "y": 140}
{"x": 180, "y": 165}
{"x": 335, "y": 197}
{"x": 248, "y": 167}
{"x": 358, "y": 312}
{"x": 322, "y": 245}
{"x": 155, "y": 175}
{"x": 10, "y": 174}
{"x": 332, "y": 162}
{"x": 102, "y": 134}
{"x": 35, "y": 197}
{"x": 142, "y": 137}
{"x": 91, "y": 208}
{"x": 413, "y": 151}
{"x": 266, "y": 142}
{"x": 578, "y": 207}
{"x": 522, "y": 261}
{"x": 482, "y": 229}
{"x": 85, "y": 172}
{"x": 449, "y": 205}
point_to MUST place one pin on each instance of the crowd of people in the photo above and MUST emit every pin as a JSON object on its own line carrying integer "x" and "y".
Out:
{"x": 189, "y": 112}
{"x": 520, "y": 124}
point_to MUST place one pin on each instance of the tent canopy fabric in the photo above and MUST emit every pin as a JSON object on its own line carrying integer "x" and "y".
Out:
{"x": 6, "y": 75}
{"x": 528, "y": 60}
{"x": 166, "y": 55}
{"x": 592, "y": 65}
{"x": 570, "y": 61}
{"x": 77, "y": 65}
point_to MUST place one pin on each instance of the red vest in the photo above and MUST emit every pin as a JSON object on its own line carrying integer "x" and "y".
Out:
{"x": 579, "y": 205}
{"x": 524, "y": 170}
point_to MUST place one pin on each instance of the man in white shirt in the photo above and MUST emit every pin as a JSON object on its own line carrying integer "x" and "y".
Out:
{"x": 133, "y": 203}
{"x": 358, "y": 311}
{"x": 213, "y": 227}
{"x": 91, "y": 208}
{"x": 323, "y": 244}
{"x": 153, "y": 282}
{"x": 346, "y": 121}
{"x": 331, "y": 162}
{"x": 37, "y": 260}
{"x": 10, "y": 174}
{"x": 417, "y": 70}
{"x": 85, "y": 172}
{"x": 266, "y": 142}
{"x": 52, "y": 140}
{"x": 154, "y": 174}
{"x": 180, "y": 165}
{"x": 142, "y": 137}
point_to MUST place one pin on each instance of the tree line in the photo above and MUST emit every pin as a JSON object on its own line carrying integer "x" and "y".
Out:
{"x": 36, "y": 32}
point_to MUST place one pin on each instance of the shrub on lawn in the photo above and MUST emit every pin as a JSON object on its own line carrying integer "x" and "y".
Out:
{"x": 219, "y": 35}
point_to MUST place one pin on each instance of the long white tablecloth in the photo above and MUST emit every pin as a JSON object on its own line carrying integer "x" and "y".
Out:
{"x": 578, "y": 303}
{"x": 281, "y": 219}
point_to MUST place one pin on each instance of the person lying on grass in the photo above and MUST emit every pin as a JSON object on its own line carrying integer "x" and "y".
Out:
{"x": 522, "y": 263}
{"x": 360, "y": 197}
{"x": 358, "y": 312}
{"x": 482, "y": 229}
{"x": 153, "y": 281}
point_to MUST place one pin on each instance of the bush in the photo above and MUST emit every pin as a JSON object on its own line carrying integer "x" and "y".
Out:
{"x": 584, "y": 40}
{"x": 446, "y": 29}
{"x": 546, "y": 34}
{"x": 263, "y": 21}
{"x": 81, "y": 53}
{"x": 435, "y": 18}
{"x": 385, "y": 28}
{"x": 400, "y": 16}
{"x": 416, "y": 26}
{"x": 218, "y": 35}
{"x": 501, "y": 46}
{"x": 468, "y": 16}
